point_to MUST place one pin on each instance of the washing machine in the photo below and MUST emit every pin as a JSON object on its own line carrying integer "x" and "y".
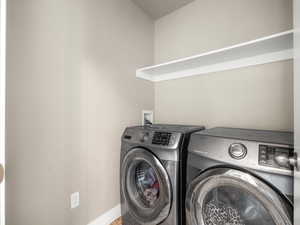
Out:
{"x": 240, "y": 177}
{"x": 152, "y": 174}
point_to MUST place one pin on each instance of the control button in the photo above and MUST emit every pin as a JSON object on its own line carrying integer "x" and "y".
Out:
{"x": 127, "y": 137}
{"x": 172, "y": 140}
{"x": 237, "y": 151}
{"x": 275, "y": 156}
{"x": 262, "y": 151}
{"x": 263, "y": 156}
{"x": 263, "y": 147}
{"x": 145, "y": 137}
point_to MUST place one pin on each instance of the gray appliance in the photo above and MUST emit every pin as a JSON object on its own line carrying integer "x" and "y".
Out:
{"x": 152, "y": 174}
{"x": 240, "y": 177}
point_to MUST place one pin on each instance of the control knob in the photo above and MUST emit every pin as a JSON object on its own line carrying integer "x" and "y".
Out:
{"x": 237, "y": 151}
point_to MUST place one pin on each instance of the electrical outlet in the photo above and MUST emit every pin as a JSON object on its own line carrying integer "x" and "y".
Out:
{"x": 74, "y": 200}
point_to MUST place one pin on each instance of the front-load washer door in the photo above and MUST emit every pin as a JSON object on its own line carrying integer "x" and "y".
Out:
{"x": 146, "y": 187}
{"x": 225, "y": 196}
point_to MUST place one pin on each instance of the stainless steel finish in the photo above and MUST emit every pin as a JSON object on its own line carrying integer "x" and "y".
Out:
{"x": 138, "y": 147}
{"x": 145, "y": 135}
{"x": 202, "y": 185}
{"x": 235, "y": 157}
{"x": 216, "y": 148}
{"x": 284, "y": 183}
{"x": 142, "y": 136}
{"x": 169, "y": 153}
{"x": 145, "y": 215}
{"x": 265, "y": 136}
{"x": 237, "y": 151}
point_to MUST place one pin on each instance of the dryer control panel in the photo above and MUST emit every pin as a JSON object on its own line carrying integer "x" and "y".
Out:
{"x": 161, "y": 139}
{"x": 275, "y": 156}
{"x": 167, "y": 139}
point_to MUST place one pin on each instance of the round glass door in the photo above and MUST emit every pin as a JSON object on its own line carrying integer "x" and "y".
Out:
{"x": 231, "y": 197}
{"x": 232, "y": 205}
{"x": 146, "y": 187}
{"x": 147, "y": 184}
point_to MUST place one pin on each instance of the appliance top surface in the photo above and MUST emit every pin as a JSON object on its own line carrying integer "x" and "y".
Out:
{"x": 266, "y": 136}
{"x": 162, "y": 138}
{"x": 170, "y": 128}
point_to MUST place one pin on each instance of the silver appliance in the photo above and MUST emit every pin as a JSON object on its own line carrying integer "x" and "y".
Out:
{"x": 152, "y": 174}
{"x": 240, "y": 177}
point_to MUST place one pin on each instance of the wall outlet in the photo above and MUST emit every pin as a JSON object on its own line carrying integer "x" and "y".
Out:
{"x": 74, "y": 199}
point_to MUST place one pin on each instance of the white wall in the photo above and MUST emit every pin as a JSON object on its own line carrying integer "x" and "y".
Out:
{"x": 253, "y": 97}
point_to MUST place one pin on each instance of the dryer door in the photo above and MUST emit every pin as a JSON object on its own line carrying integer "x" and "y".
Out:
{"x": 146, "y": 187}
{"x": 230, "y": 197}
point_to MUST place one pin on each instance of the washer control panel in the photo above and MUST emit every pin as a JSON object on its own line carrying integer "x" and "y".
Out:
{"x": 275, "y": 156}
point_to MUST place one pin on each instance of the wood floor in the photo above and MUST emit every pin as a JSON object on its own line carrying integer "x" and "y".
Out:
{"x": 117, "y": 222}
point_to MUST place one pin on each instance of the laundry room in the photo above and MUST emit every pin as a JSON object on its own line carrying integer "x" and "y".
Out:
{"x": 147, "y": 112}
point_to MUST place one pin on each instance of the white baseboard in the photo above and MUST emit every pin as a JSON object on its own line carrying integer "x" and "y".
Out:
{"x": 108, "y": 217}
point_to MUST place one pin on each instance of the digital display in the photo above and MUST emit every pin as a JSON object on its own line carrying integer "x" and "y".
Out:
{"x": 161, "y": 138}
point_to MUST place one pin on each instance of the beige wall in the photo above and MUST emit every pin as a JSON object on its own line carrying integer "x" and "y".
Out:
{"x": 205, "y": 25}
{"x": 253, "y": 97}
{"x": 36, "y": 181}
{"x": 118, "y": 39}
{"x": 71, "y": 90}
